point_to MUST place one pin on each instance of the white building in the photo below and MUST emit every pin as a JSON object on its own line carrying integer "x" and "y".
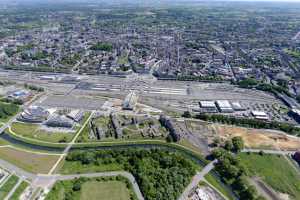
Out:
{"x": 130, "y": 101}
{"x": 224, "y": 106}
{"x": 259, "y": 115}
{"x": 237, "y": 106}
{"x": 208, "y": 107}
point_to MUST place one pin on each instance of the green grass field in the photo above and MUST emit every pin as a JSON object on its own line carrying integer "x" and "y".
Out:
{"x": 112, "y": 190}
{"x": 76, "y": 167}
{"x": 33, "y": 131}
{"x": 275, "y": 171}
{"x": 90, "y": 189}
{"x": 19, "y": 191}
{"x": 8, "y": 186}
{"x": 36, "y": 163}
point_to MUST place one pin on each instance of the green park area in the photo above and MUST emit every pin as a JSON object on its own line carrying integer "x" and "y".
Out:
{"x": 34, "y": 131}
{"x": 29, "y": 161}
{"x": 156, "y": 170}
{"x": 104, "y": 188}
{"x": 8, "y": 186}
{"x": 275, "y": 170}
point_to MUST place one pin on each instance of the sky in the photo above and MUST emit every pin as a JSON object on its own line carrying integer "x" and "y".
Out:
{"x": 53, "y": 1}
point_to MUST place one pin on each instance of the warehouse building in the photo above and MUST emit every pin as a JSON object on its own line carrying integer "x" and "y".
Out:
{"x": 208, "y": 107}
{"x": 259, "y": 115}
{"x": 237, "y": 106}
{"x": 21, "y": 95}
{"x": 130, "y": 101}
{"x": 224, "y": 106}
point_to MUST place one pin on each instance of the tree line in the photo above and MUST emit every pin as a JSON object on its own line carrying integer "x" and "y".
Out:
{"x": 7, "y": 109}
{"x": 232, "y": 171}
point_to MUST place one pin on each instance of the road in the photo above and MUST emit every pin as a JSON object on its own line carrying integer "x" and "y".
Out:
{"x": 127, "y": 175}
{"x": 46, "y": 181}
{"x": 196, "y": 179}
{"x": 67, "y": 149}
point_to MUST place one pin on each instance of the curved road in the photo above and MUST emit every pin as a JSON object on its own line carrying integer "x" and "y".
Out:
{"x": 46, "y": 181}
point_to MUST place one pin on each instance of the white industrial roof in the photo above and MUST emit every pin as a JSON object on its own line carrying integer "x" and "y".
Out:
{"x": 236, "y": 104}
{"x": 207, "y": 104}
{"x": 296, "y": 111}
{"x": 258, "y": 113}
{"x": 223, "y": 104}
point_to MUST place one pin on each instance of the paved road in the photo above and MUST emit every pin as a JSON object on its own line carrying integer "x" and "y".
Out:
{"x": 196, "y": 179}
{"x": 46, "y": 181}
{"x": 280, "y": 152}
{"x": 67, "y": 149}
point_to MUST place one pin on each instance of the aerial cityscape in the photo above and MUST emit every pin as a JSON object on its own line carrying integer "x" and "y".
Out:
{"x": 149, "y": 100}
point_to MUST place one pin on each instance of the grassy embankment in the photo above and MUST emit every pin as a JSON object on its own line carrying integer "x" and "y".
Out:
{"x": 274, "y": 171}
{"x": 218, "y": 185}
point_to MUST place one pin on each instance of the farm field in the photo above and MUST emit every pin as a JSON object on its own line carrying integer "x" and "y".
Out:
{"x": 275, "y": 171}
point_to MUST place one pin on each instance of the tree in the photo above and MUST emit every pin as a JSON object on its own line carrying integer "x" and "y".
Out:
{"x": 76, "y": 186}
{"x": 228, "y": 145}
{"x": 187, "y": 114}
{"x": 216, "y": 142}
{"x": 238, "y": 143}
{"x": 218, "y": 153}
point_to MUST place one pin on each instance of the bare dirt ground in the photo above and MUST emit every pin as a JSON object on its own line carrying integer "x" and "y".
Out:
{"x": 259, "y": 138}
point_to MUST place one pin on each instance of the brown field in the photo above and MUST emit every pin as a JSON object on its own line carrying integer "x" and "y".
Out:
{"x": 259, "y": 138}
{"x": 32, "y": 162}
